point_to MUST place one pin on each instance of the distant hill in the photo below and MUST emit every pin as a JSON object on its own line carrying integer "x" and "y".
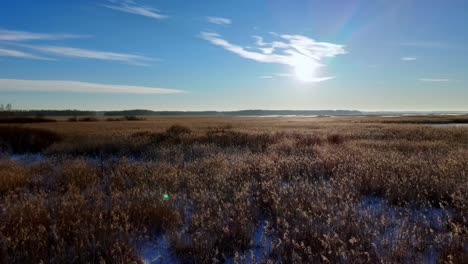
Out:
{"x": 47, "y": 113}
{"x": 258, "y": 112}
{"x": 138, "y": 112}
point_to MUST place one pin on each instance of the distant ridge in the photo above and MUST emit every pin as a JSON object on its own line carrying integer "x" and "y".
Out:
{"x": 138, "y": 112}
{"x": 258, "y": 112}
{"x": 237, "y": 113}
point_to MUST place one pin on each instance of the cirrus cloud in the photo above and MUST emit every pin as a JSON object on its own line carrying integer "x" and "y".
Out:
{"x": 20, "y": 54}
{"x": 77, "y": 87}
{"x": 129, "y": 6}
{"x": 408, "y": 59}
{"x": 219, "y": 20}
{"x": 434, "y": 80}
{"x": 17, "y": 39}
{"x": 90, "y": 54}
{"x": 14, "y": 35}
{"x": 304, "y": 55}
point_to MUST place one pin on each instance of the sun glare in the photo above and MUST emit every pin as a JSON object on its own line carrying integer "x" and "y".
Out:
{"x": 305, "y": 69}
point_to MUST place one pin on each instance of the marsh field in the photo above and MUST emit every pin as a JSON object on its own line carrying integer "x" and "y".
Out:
{"x": 235, "y": 190}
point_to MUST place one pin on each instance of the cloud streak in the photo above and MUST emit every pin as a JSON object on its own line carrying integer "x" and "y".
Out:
{"x": 13, "y": 35}
{"x": 408, "y": 59}
{"x": 90, "y": 54}
{"x": 18, "y": 38}
{"x": 78, "y": 87}
{"x": 304, "y": 55}
{"x": 20, "y": 54}
{"x": 132, "y": 8}
{"x": 219, "y": 20}
{"x": 428, "y": 44}
{"x": 434, "y": 80}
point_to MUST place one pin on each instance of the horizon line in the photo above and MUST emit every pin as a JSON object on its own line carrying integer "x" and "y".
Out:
{"x": 244, "y": 110}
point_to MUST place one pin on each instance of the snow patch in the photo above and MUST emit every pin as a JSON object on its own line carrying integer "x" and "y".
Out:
{"x": 261, "y": 248}
{"x": 27, "y": 158}
{"x": 399, "y": 219}
{"x": 158, "y": 251}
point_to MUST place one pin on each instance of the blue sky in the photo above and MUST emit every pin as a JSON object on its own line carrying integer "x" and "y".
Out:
{"x": 230, "y": 55}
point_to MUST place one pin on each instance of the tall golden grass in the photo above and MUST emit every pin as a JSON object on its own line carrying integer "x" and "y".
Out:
{"x": 325, "y": 191}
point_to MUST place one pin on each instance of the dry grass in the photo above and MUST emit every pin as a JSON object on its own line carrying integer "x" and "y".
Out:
{"x": 17, "y": 139}
{"x": 25, "y": 120}
{"x": 12, "y": 176}
{"x": 324, "y": 190}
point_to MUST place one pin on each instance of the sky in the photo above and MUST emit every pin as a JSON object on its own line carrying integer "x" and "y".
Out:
{"x": 372, "y": 55}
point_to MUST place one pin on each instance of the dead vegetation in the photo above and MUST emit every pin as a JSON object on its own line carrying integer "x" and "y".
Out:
{"x": 25, "y": 120}
{"x": 324, "y": 192}
{"x": 17, "y": 139}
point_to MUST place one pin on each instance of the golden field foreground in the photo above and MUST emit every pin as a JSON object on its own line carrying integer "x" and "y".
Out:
{"x": 235, "y": 190}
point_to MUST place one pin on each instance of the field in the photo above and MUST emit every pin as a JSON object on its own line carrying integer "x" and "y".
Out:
{"x": 235, "y": 190}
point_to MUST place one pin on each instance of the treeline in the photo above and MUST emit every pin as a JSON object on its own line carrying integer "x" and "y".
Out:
{"x": 138, "y": 112}
{"x": 14, "y": 113}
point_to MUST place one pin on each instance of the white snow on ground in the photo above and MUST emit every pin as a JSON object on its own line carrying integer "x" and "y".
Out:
{"x": 451, "y": 125}
{"x": 158, "y": 251}
{"x": 261, "y": 249}
{"x": 27, "y": 158}
{"x": 400, "y": 219}
{"x": 435, "y": 217}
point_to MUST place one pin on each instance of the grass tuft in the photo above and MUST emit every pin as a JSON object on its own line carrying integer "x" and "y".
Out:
{"x": 23, "y": 140}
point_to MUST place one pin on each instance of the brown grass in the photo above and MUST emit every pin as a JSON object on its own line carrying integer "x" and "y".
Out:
{"x": 25, "y": 120}
{"x": 12, "y": 176}
{"x": 324, "y": 190}
{"x": 23, "y": 139}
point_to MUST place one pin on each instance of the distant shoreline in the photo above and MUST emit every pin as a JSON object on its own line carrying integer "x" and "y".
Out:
{"x": 241, "y": 113}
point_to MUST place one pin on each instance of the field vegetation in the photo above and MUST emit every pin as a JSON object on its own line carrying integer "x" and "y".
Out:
{"x": 234, "y": 190}
{"x": 25, "y": 120}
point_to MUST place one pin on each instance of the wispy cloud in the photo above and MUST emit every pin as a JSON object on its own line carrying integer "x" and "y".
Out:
{"x": 78, "y": 87}
{"x": 408, "y": 59}
{"x": 289, "y": 75}
{"x": 20, "y": 54}
{"x": 219, "y": 20}
{"x": 427, "y": 44}
{"x": 434, "y": 80}
{"x": 18, "y": 38}
{"x": 284, "y": 74}
{"x": 133, "y": 8}
{"x": 13, "y": 35}
{"x": 304, "y": 55}
{"x": 90, "y": 54}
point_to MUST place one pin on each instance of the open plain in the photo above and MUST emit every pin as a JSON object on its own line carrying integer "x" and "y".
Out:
{"x": 235, "y": 190}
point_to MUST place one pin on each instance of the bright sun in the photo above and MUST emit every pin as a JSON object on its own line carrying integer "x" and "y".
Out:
{"x": 305, "y": 68}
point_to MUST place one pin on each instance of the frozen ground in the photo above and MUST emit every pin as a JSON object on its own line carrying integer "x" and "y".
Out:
{"x": 400, "y": 220}
{"x": 27, "y": 158}
{"x": 451, "y": 125}
{"x": 157, "y": 251}
{"x": 261, "y": 249}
